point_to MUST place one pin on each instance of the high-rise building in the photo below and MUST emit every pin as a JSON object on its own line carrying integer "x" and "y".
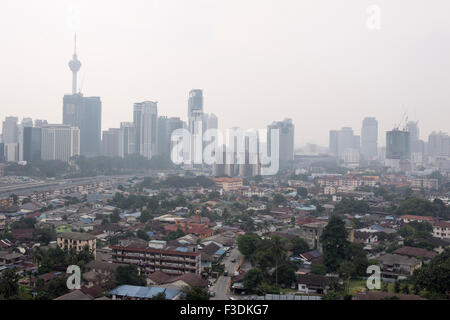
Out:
{"x": 439, "y": 144}
{"x": 369, "y": 138}
{"x": 195, "y": 107}
{"x": 417, "y": 145}
{"x": 334, "y": 139}
{"x": 60, "y": 142}
{"x": 32, "y": 139}
{"x": 127, "y": 139}
{"x": 398, "y": 146}
{"x": 163, "y": 137}
{"x": 40, "y": 123}
{"x": 110, "y": 143}
{"x": 84, "y": 113}
{"x": 286, "y": 140}
{"x": 91, "y": 126}
{"x": 10, "y": 130}
{"x": 145, "y": 117}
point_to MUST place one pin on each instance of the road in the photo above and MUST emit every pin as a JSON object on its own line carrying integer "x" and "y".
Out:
{"x": 222, "y": 284}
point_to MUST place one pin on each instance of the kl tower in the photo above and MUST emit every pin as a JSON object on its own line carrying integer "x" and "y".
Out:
{"x": 75, "y": 66}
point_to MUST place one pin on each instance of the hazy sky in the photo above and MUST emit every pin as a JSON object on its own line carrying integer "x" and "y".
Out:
{"x": 257, "y": 61}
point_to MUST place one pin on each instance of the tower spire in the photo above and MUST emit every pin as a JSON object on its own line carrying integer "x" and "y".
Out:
{"x": 74, "y": 66}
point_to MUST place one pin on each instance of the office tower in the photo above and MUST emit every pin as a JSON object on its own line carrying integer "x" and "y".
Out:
{"x": 127, "y": 138}
{"x": 417, "y": 145}
{"x": 31, "y": 149}
{"x": 74, "y": 66}
{"x": 220, "y": 167}
{"x": 251, "y": 166}
{"x": 40, "y": 123}
{"x": 398, "y": 146}
{"x": 84, "y": 113}
{"x": 11, "y": 152}
{"x": 286, "y": 140}
{"x": 195, "y": 107}
{"x": 334, "y": 139}
{"x": 27, "y": 122}
{"x": 90, "y": 126}
{"x": 163, "y": 137}
{"x": 2, "y": 152}
{"x": 60, "y": 142}
{"x": 369, "y": 138}
{"x": 110, "y": 143}
{"x": 10, "y": 130}
{"x": 439, "y": 144}
{"x": 145, "y": 118}
{"x": 210, "y": 121}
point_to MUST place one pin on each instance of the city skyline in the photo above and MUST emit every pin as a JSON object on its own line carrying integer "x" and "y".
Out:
{"x": 281, "y": 78}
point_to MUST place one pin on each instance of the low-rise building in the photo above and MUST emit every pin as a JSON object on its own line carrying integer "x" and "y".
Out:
{"x": 77, "y": 240}
{"x": 441, "y": 230}
{"x": 149, "y": 260}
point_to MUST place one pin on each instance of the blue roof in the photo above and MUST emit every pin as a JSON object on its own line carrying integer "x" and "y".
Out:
{"x": 182, "y": 249}
{"x": 150, "y": 233}
{"x": 377, "y": 227}
{"x": 144, "y": 292}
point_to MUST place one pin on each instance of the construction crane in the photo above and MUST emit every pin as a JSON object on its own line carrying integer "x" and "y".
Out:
{"x": 404, "y": 121}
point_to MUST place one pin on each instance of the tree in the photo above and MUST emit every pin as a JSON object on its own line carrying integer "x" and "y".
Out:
{"x": 350, "y": 205}
{"x": 279, "y": 199}
{"x": 279, "y": 253}
{"x": 115, "y": 216}
{"x": 253, "y": 278}
{"x": 319, "y": 269}
{"x": 302, "y": 192}
{"x": 145, "y": 216}
{"x": 286, "y": 274}
{"x": 299, "y": 246}
{"x": 128, "y": 275}
{"x": 9, "y": 283}
{"x": 196, "y": 293}
{"x": 142, "y": 235}
{"x": 419, "y": 207}
{"x": 247, "y": 244}
{"x": 159, "y": 296}
{"x": 335, "y": 243}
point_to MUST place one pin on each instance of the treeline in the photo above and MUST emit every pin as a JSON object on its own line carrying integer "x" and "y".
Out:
{"x": 87, "y": 167}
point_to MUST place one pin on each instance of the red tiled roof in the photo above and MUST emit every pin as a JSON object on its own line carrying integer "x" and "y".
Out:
{"x": 415, "y": 252}
{"x": 412, "y": 217}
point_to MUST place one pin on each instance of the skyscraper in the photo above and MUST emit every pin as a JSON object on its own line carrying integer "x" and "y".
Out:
{"x": 369, "y": 138}
{"x": 439, "y": 144}
{"x": 32, "y": 143}
{"x": 127, "y": 139}
{"x": 60, "y": 142}
{"x": 398, "y": 146}
{"x": 90, "y": 125}
{"x": 110, "y": 143}
{"x": 10, "y": 130}
{"x": 286, "y": 139}
{"x": 195, "y": 107}
{"x": 146, "y": 122}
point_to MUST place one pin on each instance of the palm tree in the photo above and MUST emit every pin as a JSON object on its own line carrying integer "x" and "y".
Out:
{"x": 279, "y": 253}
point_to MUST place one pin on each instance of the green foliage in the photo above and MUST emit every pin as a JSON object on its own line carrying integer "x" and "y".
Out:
{"x": 319, "y": 269}
{"x": 279, "y": 199}
{"x": 159, "y": 296}
{"x": 48, "y": 169}
{"x": 302, "y": 192}
{"x": 9, "y": 284}
{"x": 142, "y": 235}
{"x": 128, "y": 275}
{"x": 299, "y": 246}
{"x": 44, "y": 235}
{"x": 253, "y": 278}
{"x": 24, "y": 223}
{"x": 334, "y": 242}
{"x": 196, "y": 293}
{"x": 350, "y": 205}
{"x": 421, "y": 207}
{"x": 434, "y": 276}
